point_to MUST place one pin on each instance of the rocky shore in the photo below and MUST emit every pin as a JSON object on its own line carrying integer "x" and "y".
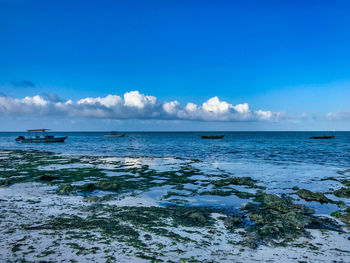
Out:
{"x": 60, "y": 208}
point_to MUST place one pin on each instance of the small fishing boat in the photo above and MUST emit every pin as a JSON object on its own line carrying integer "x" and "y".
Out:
{"x": 322, "y": 137}
{"x": 40, "y": 136}
{"x": 115, "y": 134}
{"x": 213, "y": 137}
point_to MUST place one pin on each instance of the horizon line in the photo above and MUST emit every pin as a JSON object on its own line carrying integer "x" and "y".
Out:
{"x": 196, "y": 131}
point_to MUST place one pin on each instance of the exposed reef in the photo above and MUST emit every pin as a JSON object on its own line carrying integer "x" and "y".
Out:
{"x": 143, "y": 208}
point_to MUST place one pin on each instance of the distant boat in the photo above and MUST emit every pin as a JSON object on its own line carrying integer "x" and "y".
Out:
{"x": 213, "y": 137}
{"x": 40, "y": 136}
{"x": 322, "y": 137}
{"x": 115, "y": 134}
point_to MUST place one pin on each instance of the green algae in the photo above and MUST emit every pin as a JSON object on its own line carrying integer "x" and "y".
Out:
{"x": 125, "y": 223}
{"x": 342, "y": 192}
{"x": 23, "y": 160}
{"x": 142, "y": 217}
{"x": 246, "y": 181}
{"x": 66, "y": 189}
{"x": 110, "y": 227}
{"x": 337, "y": 214}
{"x": 217, "y": 192}
{"x": 266, "y": 219}
{"x": 103, "y": 198}
{"x": 277, "y": 218}
{"x": 311, "y": 196}
{"x": 66, "y": 178}
{"x": 243, "y": 195}
{"x": 232, "y": 222}
{"x": 346, "y": 218}
{"x": 82, "y": 250}
{"x": 157, "y": 216}
{"x": 171, "y": 193}
{"x": 345, "y": 182}
{"x": 343, "y": 215}
{"x": 25, "y": 166}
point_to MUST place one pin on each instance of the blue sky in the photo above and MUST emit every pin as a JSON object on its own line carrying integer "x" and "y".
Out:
{"x": 288, "y": 60}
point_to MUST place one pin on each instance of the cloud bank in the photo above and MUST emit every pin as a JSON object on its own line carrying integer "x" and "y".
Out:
{"x": 338, "y": 116}
{"x": 133, "y": 105}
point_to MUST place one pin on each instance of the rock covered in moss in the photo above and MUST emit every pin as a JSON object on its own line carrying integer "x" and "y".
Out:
{"x": 345, "y": 182}
{"x": 48, "y": 178}
{"x": 276, "y": 218}
{"x": 311, "y": 196}
{"x": 103, "y": 198}
{"x": 343, "y": 215}
{"x": 342, "y": 192}
{"x": 232, "y": 222}
{"x": 198, "y": 216}
{"x": 66, "y": 189}
{"x": 243, "y": 195}
{"x": 346, "y": 218}
{"x": 188, "y": 216}
{"x": 247, "y": 181}
{"x": 147, "y": 237}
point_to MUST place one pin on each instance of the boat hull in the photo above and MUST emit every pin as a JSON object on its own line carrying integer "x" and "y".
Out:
{"x": 213, "y": 137}
{"x": 115, "y": 135}
{"x": 43, "y": 140}
{"x": 322, "y": 137}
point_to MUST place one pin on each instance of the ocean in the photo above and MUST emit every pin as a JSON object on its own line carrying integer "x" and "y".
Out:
{"x": 280, "y": 160}
{"x": 275, "y": 148}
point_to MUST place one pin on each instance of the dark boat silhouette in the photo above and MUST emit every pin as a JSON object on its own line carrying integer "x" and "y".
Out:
{"x": 322, "y": 137}
{"x": 213, "y": 137}
{"x": 43, "y": 138}
{"x": 115, "y": 134}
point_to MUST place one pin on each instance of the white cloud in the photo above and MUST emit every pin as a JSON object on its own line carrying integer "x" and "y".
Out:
{"x": 338, "y": 116}
{"x": 109, "y": 101}
{"x": 214, "y": 105}
{"x": 264, "y": 115}
{"x": 242, "y": 108}
{"x": 171, "y": 107}
{"x": 191, "y": 107}
{"x": 36, "y": 100}
{"x": 137, "y": 106}
{"x": 31, "y": 105}
{"x": 135, "y": 99}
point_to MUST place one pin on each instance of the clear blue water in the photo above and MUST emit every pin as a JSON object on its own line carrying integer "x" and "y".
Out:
{"x": 268, "y": 147}
{"x": 279, "y": 160}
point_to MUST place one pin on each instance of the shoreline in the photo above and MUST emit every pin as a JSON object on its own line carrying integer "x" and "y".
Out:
{"x": 113, "y": 210}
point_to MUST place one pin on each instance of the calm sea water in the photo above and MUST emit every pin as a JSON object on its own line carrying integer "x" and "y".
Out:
{"x": 271, "y": 147}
